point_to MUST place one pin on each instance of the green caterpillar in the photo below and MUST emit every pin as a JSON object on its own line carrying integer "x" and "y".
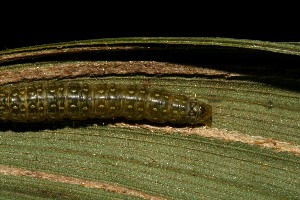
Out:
{"x": 54, "y": 101}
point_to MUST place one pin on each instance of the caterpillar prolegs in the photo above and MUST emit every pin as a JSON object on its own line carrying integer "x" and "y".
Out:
{"x": 36, "y": 102}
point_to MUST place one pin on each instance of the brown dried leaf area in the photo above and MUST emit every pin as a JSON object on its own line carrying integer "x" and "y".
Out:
{"x": 14, "y": 171}
{"x": 41, "y": 71}
{"x": 230, "y": 136}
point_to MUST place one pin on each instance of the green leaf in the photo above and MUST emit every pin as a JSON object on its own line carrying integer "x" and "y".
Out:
{"x": 250, "y": 152}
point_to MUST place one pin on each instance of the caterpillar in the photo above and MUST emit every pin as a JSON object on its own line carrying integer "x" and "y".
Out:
{"x": 55, "y": 101}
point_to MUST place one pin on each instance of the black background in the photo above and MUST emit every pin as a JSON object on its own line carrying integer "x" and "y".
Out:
{"x": 28, "y": 28}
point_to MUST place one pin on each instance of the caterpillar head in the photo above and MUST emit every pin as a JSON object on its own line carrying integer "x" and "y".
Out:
{"x": 199, "y": 113}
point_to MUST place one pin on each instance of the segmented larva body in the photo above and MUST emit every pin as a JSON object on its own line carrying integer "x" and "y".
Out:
{"x": 36, "y": 102}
